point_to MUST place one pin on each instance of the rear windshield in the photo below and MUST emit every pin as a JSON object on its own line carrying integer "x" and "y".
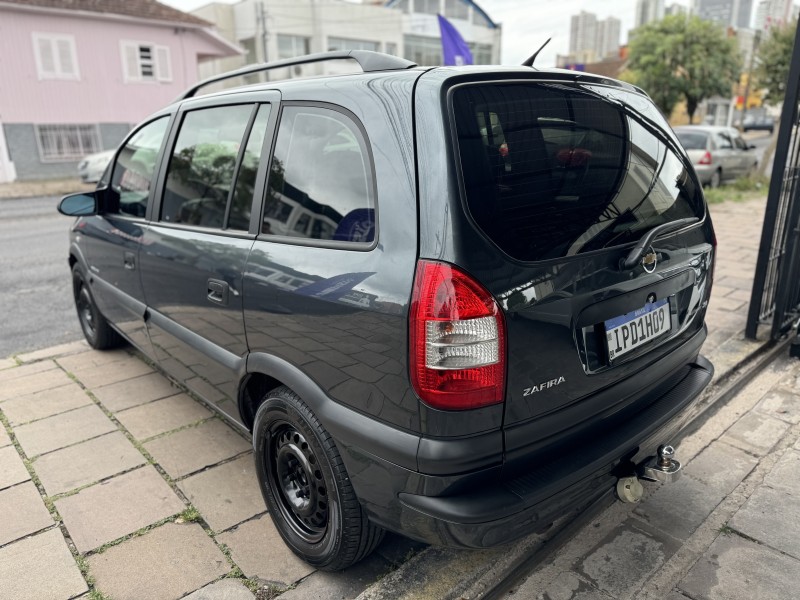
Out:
{"x": 554, "y": 170}
{"x": 692, "y": 140}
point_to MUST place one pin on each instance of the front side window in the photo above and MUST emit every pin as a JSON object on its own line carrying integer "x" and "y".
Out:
{"x": 202, "y": 166}
{"x": 135, "y": 170}
{"x": 320, "y": 185}
{"x": 67, "y": 142}
{"x": 555, "y": 170}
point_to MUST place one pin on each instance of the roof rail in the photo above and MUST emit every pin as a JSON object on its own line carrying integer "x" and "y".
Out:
{"x": 368, "y": 61}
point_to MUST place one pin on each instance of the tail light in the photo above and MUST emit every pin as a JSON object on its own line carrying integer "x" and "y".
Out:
{"x": 706, "y": 160}
{"x": 456, "y": 340}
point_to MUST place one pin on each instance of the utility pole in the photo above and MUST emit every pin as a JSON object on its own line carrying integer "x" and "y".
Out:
{"x": 756, "y": 40}
{"x": 261, "y": 18}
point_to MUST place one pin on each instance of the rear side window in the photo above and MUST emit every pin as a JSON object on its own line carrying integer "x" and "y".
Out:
{"x": 320, "y": 185}
{"x": 555, "y": 170}
{"x": 203, "y": 164}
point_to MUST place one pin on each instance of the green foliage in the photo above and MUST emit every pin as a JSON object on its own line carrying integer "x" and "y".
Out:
{"x": 741, "y": 190}
{"x": 774, "y": 55}
{"x": 683, "y": 58}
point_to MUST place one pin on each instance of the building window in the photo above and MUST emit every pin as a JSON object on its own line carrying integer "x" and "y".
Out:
{"x": 429, "y": 7}
{"x": 481, "y": 53}
{"x": 425, "y": 51}
{"x": 350, "y": 44}
{"x": 59, "y": 143}
{"x": 456, "y": 9}
{"x": 402, "y": 5}
{"x": 478, "y": 18}
{"x": 56, "y": 57}
{"x": 391, "y": 48}
{"x": 290, "y": 46}
{"x": 145, "y": 62}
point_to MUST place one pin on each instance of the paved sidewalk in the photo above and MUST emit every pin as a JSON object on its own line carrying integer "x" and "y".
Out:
{"x": 123, "y": 485}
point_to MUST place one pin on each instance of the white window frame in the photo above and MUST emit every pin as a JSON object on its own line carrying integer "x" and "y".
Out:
{"x": 58, "y": 72}
{"x": 160, "y": 61}
{"x": 64, "y": 129}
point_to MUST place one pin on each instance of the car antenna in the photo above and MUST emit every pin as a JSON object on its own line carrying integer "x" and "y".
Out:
{"x": 529, "y": 62}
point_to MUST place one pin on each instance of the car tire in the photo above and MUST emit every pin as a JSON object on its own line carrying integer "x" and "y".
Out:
{"x": 716, "y": 179}
{"x": 306, "y": 487}
{"x": 96, "y": 329}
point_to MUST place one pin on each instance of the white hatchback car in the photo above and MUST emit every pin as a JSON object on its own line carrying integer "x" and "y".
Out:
{"x": 717, "y": 153}
{"x": 91, "y": 168}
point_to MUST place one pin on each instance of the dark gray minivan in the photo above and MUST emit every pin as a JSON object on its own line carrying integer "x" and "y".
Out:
{"x": 451, "y": 302}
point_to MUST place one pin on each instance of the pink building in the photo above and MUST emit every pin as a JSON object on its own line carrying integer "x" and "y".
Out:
{"x": 78, "y": 74}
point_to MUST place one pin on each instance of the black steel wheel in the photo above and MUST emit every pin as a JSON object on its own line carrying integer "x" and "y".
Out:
{"x": 306, "y": 487}
{"x": 96, "y": 329}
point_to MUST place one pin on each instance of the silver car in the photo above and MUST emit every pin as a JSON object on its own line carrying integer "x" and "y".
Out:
{"x": 91, "y": 168}
{"x": 717, "y": 153}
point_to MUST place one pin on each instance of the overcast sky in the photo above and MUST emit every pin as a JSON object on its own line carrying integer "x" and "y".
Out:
{"x": 527, "y": 23}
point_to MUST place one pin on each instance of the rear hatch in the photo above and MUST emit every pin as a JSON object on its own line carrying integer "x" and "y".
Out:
{"x": 564, "y": 179}
{"x": 696, "y": 145}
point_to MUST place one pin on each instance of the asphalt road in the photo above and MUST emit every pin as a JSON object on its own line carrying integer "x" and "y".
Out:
{"x": 35, "y": 281}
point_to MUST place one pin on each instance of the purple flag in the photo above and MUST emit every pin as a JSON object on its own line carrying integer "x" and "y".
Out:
{"x": 454, "y": 48}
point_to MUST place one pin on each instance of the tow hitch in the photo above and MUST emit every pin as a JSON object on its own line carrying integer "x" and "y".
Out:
{"x": 664, "y": 468}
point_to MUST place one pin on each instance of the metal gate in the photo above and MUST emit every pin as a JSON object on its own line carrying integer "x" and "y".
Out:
{"x": 776, "y": 287}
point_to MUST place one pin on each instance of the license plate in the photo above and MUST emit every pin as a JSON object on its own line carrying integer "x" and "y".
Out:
{"x": 630, "y": 331}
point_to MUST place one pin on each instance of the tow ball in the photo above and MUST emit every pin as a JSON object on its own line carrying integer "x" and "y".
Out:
{"x": 664, "y": 468}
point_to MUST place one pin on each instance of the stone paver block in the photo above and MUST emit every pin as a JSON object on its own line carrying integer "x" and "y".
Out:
{"x": 5, "y": 440}
{"x": 45, "y": 404}
{"x": 195, "y": 448}
{"x": 54, "y": 351}
{"x": 567, "y": 586}
{"x": 166, "y": 562}
{"x": 87, "y": 462}
{"x": 621, "y": 562}
{"x": 161, "y": 416}
{"x": 63, "y": 430}
{"x": 258, "y": 549}
{"x": 29, "y": 512}
{"x": 107, "y": 511}
{"x": 126, "y": 367}
{"x": 721, "y": 467}
{"x": 7, "y": 363}
{"x": 782, "y": 405}
{"x": 773, "y": 518}
{"x": 225, "y": 589}
{"x": 136, "y": 391}
{"x": 737, "y": 569}
{"x": 30, "y": 384}
{"x": 227, "y": 494}
{"x": 40, "y": 567}
{"x": 755, "y": 433}
{"x": 91, "y": 358}
{"x": 784, "y": 475}
{"x": 344, "y": 584}
{"x": 679, "y": 508}
{"x": 12, "y": 469}
{"x": 24, "y": 370}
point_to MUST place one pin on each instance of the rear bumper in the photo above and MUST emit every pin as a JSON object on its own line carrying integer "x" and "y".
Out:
{"x": 501, "y": 511}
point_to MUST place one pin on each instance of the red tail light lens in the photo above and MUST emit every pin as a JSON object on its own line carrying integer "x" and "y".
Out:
{"x": 706, "y": 160}
{"x": 456, "y": 340}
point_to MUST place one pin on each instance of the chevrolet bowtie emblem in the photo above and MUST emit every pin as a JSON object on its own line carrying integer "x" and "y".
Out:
{"x": 649, "y": 261}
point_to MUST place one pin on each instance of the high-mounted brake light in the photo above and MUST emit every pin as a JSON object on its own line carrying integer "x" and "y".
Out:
{"x": 456, "y": 340}
{"x": 706, "y": 159}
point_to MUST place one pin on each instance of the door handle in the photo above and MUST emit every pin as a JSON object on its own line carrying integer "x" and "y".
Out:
{"x": 129, "y": 260}
{"x": 218, "y": 292}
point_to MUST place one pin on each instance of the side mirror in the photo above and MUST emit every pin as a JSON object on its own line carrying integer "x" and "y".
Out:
{"x": 78, "y": 205}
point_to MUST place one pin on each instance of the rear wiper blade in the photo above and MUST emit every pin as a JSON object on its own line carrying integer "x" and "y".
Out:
{"x": 635, "y": 255}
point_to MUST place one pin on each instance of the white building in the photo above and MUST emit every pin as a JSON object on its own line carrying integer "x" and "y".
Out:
{"x": 733, "y": 13}
{"x": 772, "y": 13}
{"x": 276, "y": 29}
{"x": 648, "y": 11}
{"x": 591, "y": 39}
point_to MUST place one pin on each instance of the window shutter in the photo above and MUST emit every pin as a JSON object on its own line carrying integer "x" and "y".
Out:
{"x": 47, "y": 63}
{"x": 163, "y": 65}
{"x": 65, "y": 59}
{"x": 130, "y": 62}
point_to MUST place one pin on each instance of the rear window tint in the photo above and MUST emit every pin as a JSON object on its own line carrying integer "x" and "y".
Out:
{"x": 692, "y": 141}
{"x": 555, "y": 170}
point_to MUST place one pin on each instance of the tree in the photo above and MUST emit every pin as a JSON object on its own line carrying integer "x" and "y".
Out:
{"x": 683, "y": 58}
{"x": 774, "y": 56}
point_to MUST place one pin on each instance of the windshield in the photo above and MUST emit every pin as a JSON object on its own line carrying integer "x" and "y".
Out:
{"x": 553, "y": 170}
{"x": 692, "y": 141}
